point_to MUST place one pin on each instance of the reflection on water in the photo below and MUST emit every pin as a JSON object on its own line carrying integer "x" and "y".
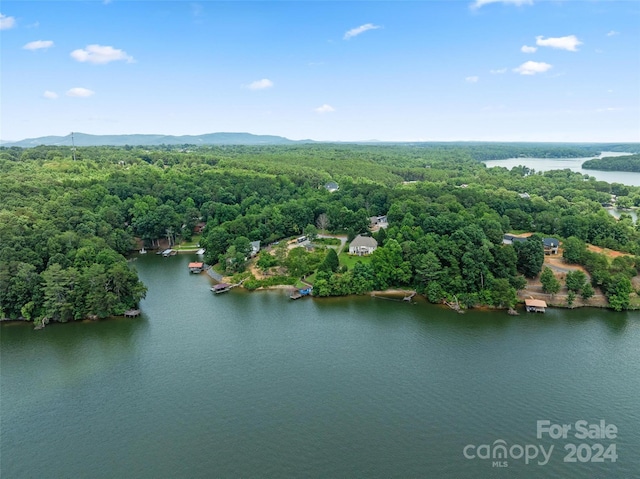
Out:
{"x": 69, "y": 353}
{"x": 256, "y": 385}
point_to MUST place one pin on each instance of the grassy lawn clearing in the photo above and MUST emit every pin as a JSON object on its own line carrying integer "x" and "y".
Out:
{"x": 350, "y": 260}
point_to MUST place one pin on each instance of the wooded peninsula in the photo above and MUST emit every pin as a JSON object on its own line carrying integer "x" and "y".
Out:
{"x": 616, "y": 163}
{"x": 435, "y": 213}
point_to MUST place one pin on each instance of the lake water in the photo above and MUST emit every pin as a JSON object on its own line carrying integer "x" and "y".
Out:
{"x": 256, "y": 385}
{"x": 574, "y": 164}
{"x": 616, "y": 213}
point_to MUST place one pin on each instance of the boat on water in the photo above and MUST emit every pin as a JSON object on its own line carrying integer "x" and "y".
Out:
{"x": 143, "y": 251}
{"x": 169, "y": 252}
{"x": 200, "y": 251}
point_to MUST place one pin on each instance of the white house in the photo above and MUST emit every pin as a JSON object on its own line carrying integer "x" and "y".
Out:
{"x": 362, "y": 245}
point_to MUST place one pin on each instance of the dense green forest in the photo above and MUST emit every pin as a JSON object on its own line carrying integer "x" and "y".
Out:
{"x": 614, "y": 163}
{"x": 66, "y": 224}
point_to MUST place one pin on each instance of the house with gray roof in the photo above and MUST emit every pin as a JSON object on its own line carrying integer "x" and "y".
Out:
{"x": 363, "y": 245}
{"x": 551, "y": 245}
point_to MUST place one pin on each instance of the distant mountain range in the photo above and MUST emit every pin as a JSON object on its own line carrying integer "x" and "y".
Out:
{"x": 83, "y": 139}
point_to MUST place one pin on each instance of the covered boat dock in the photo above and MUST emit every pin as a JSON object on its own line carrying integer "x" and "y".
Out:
{"x": 535, "y": 305}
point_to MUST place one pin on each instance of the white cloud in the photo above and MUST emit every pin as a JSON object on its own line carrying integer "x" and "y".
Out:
{"x": 38, "y": 45}
{"x": 610, "y": 109}
{"x": 260, "y": 84}
{"x": 80, "y": 92}
{"x": 50, "y": 95}
{"x": 325, "y": 109}
{"x": 499, "y": 71}
{"x": 531, "y": 68}
{"x": 612, "y": 33}
{"x": 6, "y": 22}
{"x": 99, "y": 54}
{"x": 528, "y": 49}
{"x": 473, "y": 79}
{"x": 481, "y": 3}
{"x": 354, "y": 32}
{"x": 569, "y": 42}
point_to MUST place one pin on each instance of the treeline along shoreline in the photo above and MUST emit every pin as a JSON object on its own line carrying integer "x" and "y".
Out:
{"x": 69, "y": 218}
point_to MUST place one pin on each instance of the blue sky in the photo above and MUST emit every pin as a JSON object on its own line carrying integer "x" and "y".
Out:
{"x": 491, "y": 70}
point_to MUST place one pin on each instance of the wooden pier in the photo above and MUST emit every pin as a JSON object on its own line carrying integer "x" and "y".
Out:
{"x": 132, "y": 313}
{"x": 221, "y": 288}
{"x": 224, "y": 287}
{"x": 300, "y": 293}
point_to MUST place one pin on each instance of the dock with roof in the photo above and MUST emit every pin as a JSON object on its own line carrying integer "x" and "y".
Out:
{"x": 535, "y": 305}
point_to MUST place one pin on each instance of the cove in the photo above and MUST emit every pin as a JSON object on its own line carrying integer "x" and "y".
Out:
{"x": 255, "y": 385}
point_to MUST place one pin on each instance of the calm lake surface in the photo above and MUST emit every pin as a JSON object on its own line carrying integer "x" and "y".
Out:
{"x": 255, "y": 385}
{"x": 574, "y": 164}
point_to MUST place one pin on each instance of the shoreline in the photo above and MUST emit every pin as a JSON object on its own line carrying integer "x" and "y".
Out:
{"x": 397, "y": 293}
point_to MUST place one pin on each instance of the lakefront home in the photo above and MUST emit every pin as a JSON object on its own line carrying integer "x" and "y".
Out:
{"x": 363, "y": 245}
{"x": 551, "y": 245}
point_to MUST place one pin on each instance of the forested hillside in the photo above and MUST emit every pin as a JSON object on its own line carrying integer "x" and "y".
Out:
{"x": 65, "y": 224}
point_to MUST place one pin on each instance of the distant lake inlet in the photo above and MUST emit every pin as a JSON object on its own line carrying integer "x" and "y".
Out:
{"x": 574, "y": 164}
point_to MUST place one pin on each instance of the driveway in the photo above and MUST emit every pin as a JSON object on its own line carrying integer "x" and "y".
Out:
{"x": 342, "y": 238}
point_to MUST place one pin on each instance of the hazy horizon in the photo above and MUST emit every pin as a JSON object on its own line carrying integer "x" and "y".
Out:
{"x": 370, "y": 140}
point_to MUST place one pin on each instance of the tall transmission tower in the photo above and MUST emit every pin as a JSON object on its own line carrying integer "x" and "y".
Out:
{"x": 73, "y": 147}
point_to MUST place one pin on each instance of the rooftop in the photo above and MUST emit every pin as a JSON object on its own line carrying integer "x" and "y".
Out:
{"x": 535, "y": 303}
{"x": 367, "y": 241}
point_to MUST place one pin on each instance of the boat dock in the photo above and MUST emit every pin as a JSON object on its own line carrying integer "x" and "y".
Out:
{"x": 132, "y": 313}
{"x": 300, "y": 293}
{"x": 221, "y": 288}
{"x": 196, "y": 267}
{"x": 224, "y": 287}
{"x": 535, "y": 305}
